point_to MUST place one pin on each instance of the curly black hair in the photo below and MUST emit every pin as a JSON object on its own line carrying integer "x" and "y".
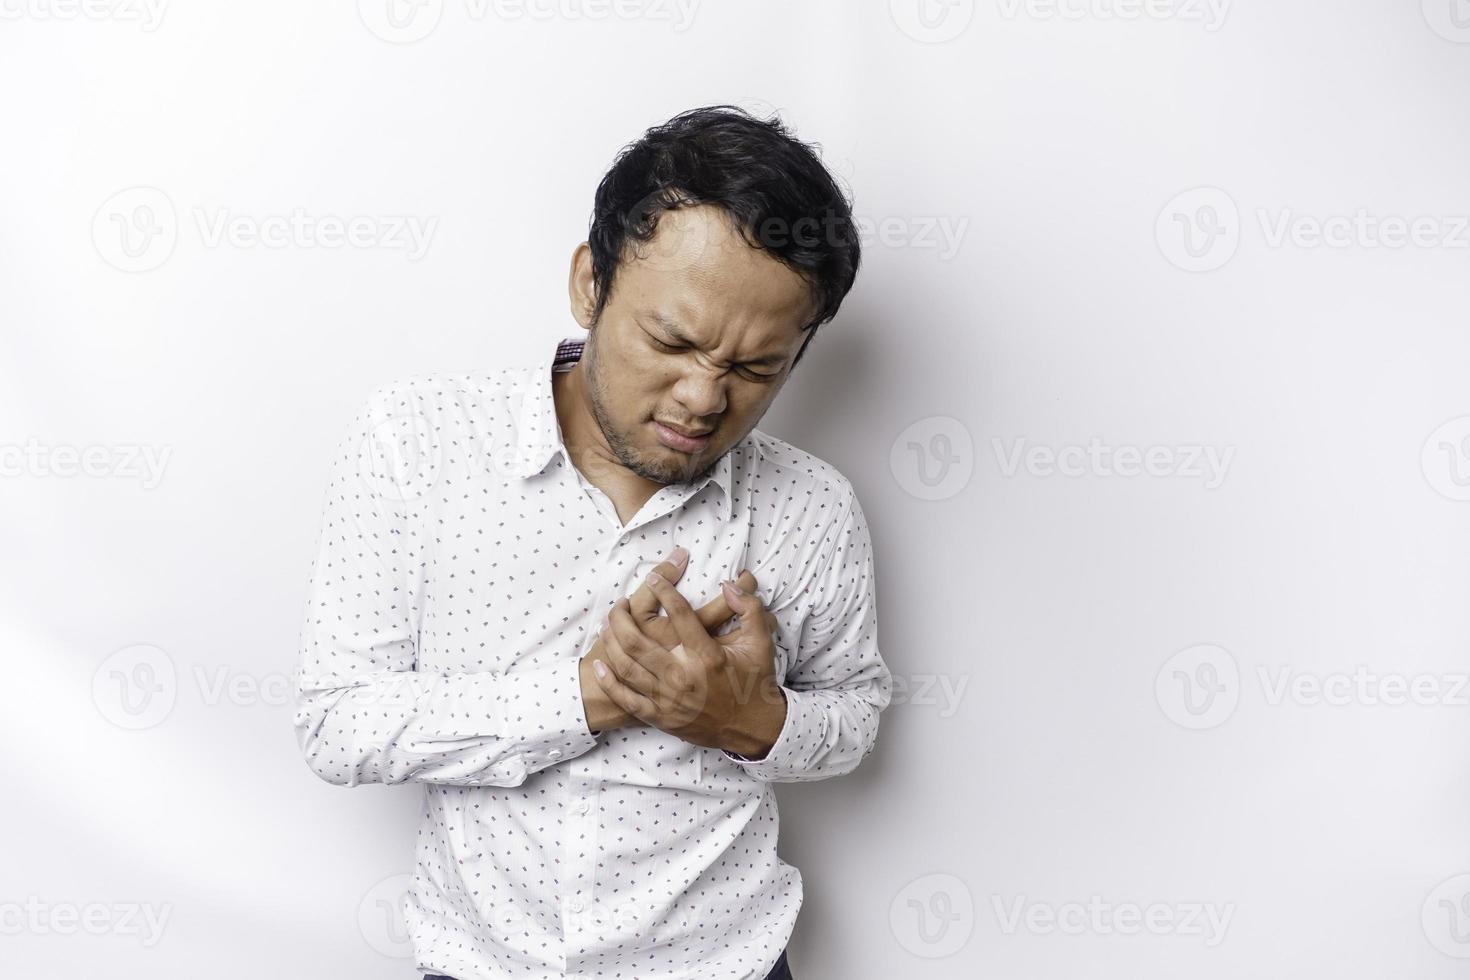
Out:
{"x": 773, "y": 187}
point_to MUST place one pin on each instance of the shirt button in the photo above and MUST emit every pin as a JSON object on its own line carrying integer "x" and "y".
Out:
{"x": 555, "y": 753}
{"x": 581, "y": 807}
{"x": 575, "y": 905}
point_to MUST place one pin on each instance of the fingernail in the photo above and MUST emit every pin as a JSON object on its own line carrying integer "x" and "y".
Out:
{"x": 653, "y": 578}
{"x": 601, "y": 670}
{"x": 734, "y": 588}
{"x": 679, "y": 556}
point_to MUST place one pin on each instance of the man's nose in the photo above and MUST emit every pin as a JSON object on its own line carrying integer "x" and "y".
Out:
{"x": 701, "y": 394}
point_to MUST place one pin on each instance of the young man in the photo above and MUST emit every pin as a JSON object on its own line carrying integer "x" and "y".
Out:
{"x": 597, "y": 755}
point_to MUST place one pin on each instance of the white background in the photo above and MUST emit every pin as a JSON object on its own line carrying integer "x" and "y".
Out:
{"x": 1109, "y": 683}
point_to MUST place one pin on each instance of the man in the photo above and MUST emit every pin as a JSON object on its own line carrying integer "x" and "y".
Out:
{"x": 598, "y": 756}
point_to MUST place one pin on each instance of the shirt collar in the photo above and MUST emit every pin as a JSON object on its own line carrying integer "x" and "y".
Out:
{"x": 539, "y": 432}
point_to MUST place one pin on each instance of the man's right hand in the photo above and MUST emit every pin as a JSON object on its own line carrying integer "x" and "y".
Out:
{"x": 602, "y": 713}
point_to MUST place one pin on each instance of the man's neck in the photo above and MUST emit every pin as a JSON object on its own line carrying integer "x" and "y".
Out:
{"x": 589, "y": 452}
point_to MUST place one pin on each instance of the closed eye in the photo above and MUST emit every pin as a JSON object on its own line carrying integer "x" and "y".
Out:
{"x": 675, "y": 349}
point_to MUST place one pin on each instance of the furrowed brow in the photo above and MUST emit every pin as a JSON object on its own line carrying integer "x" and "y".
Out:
{"x": 677, "y": 336}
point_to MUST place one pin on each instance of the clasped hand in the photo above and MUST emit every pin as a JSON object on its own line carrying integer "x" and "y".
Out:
{"x": 668, "y": 670}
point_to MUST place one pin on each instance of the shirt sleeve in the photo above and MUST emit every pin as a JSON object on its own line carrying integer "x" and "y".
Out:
{"x": 838, "y": 683}
{"x": 364, "y": 712}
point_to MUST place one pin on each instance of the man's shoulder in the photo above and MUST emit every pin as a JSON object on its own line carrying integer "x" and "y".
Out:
{"x": 434, "y": 392}
{"x": 809, "y": 473}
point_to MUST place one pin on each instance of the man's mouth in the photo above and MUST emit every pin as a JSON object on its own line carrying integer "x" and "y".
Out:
{"x": 676, "y": 439}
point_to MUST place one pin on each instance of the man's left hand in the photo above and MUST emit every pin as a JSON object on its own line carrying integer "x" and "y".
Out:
{"x": 716, "y": 691}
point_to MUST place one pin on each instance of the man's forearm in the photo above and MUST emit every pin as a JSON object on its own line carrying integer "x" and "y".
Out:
{"x": 602, "y": 714}
{"x": 759, "y": 724}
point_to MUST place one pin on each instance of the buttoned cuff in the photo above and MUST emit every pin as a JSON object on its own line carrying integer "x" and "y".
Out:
{"x": 803, "y": 724}
{"x": 542, "y": 710}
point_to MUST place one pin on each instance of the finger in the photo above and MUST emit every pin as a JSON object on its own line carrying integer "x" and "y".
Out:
{"x": 671, "y": 680}
{"x": 629, "y": 671}
{"x": 629, "y": 636}
{"x": 749, "y": 608}
{"x": 644, "y": 604}
{"x": 687, "y": 625}
{"x": 717, "y": 610}
{"x": 623, "y": 696}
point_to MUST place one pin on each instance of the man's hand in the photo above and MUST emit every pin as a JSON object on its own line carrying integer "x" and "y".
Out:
{"x": 717, "y": 691}
{"x": 603, "y": 714}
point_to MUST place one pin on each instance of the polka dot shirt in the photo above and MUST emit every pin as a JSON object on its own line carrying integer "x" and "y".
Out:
{"x": 464, "y": 567}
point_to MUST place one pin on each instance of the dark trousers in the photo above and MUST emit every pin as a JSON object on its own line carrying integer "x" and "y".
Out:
{"x": 781, "y": 971}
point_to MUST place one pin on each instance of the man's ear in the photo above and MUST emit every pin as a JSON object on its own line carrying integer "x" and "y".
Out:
{"x": 581, "y": 289}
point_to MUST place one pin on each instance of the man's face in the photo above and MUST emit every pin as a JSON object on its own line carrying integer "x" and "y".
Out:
{"x": 699, "y": 333}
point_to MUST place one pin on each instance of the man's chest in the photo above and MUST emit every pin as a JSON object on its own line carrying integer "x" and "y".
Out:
{"x": 524, "y": 575}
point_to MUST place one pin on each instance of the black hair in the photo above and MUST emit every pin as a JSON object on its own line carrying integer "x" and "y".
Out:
{"x": 772, "y": 186}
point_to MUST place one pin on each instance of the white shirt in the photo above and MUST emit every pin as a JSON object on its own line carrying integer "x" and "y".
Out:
{"x": 464, "y": 567}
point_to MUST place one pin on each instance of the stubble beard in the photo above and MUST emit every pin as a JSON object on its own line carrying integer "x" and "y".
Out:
{"x": 654, "y": 470}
